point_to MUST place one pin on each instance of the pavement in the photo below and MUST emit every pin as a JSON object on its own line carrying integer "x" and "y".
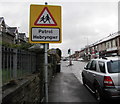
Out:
{"x": 65, "y": 87}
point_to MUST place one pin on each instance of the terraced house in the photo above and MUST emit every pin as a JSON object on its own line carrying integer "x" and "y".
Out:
{"x": 10, "y": 34}
{"x": 108, "y": 46}
{"x": 7, "y": 33}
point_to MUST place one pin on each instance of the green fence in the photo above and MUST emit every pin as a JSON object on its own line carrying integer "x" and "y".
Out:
{"x": 16, "y": 63}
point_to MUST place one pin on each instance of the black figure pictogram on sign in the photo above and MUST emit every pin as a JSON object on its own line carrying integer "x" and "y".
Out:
{"x": 42, "y": 19}
{"x": 45, "y": 18}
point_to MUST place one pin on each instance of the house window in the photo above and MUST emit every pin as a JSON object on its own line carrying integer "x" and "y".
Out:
{"x": 111, "y": 43}
{"x": 107, "y": 44}
{"x": 116, "y": 42}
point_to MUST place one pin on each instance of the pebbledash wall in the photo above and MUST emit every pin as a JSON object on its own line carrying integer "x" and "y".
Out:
{"x": 29, "y": 89}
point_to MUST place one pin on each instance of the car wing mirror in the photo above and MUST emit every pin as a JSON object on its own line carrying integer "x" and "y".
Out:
{"x": 85, "y": 68}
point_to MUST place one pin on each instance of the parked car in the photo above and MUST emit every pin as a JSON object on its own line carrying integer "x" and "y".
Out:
{"x": 64, "y": 59}
{"x": 102, "y": 77}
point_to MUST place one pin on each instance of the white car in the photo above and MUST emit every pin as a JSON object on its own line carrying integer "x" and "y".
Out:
{"x": 102, "y": 77}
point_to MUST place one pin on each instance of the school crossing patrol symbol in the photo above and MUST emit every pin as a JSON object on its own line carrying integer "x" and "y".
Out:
{"x": 45, "y": 24}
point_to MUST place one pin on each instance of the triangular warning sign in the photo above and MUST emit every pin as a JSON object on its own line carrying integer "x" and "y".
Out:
{"x": 45, "y": 19}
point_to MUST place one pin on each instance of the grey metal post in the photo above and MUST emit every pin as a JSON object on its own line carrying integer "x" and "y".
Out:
{"x": 46, "y": 73}
{"x": 46, "y": 70}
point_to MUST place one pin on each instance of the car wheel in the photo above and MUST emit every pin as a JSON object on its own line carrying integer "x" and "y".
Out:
{"x": 98, "y": 95}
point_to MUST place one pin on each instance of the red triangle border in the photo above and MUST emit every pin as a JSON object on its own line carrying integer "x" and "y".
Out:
{"x": 45, "y": 24}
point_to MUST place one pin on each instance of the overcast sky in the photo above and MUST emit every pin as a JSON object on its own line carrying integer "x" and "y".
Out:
{"x": 83, "y": 21}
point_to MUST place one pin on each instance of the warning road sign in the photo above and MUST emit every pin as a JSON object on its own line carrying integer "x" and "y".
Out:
{"x": 45, "y": 18}
{"x": 45, "y": 24}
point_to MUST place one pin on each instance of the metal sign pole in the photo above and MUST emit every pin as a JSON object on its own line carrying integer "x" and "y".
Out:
{"x": 46, "y": 73}
{"x": 46, "y": 70}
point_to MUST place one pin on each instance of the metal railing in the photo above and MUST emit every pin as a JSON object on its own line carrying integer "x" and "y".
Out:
{"x": 17, "y": 63}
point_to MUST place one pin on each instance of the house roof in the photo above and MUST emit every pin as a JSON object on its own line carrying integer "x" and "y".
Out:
{"x": 1, "y": 19}
{"x": 7, "y": 29}
{"x": 2, "y": 22}
{"x": 12, "y": 30}
{"x": 109, "y": 37}
{"x": 22, "y": 35}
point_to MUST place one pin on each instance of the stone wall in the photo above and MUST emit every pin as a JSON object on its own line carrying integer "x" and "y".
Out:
{"x": 31, "y": 88}
{"x": 23, "y": 91}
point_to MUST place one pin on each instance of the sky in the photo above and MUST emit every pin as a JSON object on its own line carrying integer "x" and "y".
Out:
{"x": 83, "y": 21}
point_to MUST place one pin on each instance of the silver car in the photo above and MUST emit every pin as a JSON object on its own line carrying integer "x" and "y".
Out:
{"x": 102, "y": 77}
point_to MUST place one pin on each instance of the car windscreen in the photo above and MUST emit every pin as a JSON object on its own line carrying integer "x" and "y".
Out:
{"x": 114, "y": 66}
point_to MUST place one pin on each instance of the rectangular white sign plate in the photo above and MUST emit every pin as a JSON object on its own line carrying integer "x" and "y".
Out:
{"x": 45, "y": 34}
